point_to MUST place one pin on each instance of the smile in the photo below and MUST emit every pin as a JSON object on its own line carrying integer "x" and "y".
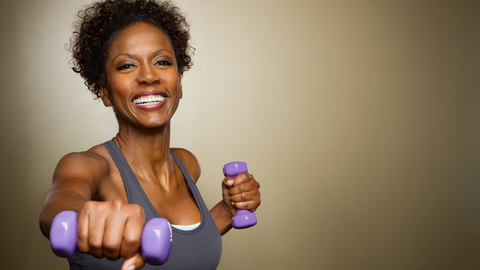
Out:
{"x": 148, "y": 100}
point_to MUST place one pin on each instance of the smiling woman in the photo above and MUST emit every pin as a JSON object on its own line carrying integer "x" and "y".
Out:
{"x": 142, "y": 78}
{"x": 101, "y": 22}
{"x": 132, "y": 55}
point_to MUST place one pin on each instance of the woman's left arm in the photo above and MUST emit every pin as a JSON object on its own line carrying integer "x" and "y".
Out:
{"x": 239, "y": 193}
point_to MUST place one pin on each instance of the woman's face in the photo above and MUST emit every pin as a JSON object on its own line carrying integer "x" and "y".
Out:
{"x": 143, "y": 84}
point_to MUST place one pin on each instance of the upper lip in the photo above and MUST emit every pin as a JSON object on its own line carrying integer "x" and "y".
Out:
{"x": 150, "y": 93}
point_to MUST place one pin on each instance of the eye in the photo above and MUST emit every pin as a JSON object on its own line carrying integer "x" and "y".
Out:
{"x": 125, "y": 66}
{"x": 164, "y": 63}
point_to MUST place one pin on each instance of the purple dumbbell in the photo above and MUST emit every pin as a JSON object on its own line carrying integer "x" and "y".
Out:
{"x": 243, "y": 218}
{"x": 155, "y": 244}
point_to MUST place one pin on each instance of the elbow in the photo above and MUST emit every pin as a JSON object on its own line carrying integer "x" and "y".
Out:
{"x": 44, "y": 223}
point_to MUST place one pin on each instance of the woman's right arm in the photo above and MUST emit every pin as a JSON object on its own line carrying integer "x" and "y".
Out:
{"x": 75, "y": 180}
{"x": 110, "y": 229}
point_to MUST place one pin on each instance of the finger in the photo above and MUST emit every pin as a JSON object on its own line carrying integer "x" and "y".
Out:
{"x": 245, "y": 196}
{"x": 135, "y": 262}
{"x": 242, "y": 178}
{"x": 250, "y": 205}
{"x": 112, "y": 238}
{"x": 132, "y": 236}
{"x": 82, "y": 232}
{"x": 249, "y": 201}
{"x": 247, "y": 186}
{"x": 96, "y": 229}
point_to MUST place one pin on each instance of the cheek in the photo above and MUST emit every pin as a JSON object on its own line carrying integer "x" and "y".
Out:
{"x": 118, "y": 87}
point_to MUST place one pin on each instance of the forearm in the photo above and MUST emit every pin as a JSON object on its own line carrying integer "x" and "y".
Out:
{"x": 56, "y": 202}
{"x": 222, "y": 217}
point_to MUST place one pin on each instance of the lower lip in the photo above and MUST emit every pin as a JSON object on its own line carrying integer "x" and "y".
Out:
{"x": 153, "y": 107}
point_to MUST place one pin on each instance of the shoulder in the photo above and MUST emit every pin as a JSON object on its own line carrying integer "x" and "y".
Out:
{"x": 93, "y": 158}
{"x": 189, "y": 161}
{"x": 86, "y": 167}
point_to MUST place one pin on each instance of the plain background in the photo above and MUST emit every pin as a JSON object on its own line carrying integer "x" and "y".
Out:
{"x": 360, "y": 119}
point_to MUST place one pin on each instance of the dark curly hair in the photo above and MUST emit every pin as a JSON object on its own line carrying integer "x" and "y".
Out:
{"x": 99, "y": 23}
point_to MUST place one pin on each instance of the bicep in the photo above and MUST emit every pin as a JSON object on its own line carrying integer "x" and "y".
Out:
{"x": 74, "y": 182}
{"x": 80, "y": 173}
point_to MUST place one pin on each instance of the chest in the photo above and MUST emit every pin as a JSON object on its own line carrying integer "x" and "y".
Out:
{"x": 176, "y": 203}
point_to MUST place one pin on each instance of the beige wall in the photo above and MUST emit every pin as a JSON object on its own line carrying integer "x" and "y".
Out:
{"x": 361, "y": 120}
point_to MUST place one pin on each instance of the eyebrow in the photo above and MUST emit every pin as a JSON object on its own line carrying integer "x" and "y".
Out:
{"x": 133, "y": 56}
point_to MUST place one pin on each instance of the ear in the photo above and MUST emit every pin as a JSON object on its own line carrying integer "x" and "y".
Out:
{"x": 104, "y": 96}
{"x": 181, "y": 89}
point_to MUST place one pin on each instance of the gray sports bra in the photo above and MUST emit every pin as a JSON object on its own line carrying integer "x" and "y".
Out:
{"x": 200, "y": 248}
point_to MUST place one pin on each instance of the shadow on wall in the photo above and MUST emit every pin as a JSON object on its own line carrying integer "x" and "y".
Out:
{"x": 27, "y": 115}
{"x": 18, "y": 226}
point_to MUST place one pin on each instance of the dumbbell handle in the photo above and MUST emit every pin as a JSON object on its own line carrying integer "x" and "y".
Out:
{"x": 155, "y": 246}
{"x": 243, "y": 218}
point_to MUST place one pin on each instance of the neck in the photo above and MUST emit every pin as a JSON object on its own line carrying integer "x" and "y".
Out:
{"x": 147, "y": 151}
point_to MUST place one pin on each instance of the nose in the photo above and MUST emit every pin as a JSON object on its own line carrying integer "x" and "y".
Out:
{"x": 148, "y": 75}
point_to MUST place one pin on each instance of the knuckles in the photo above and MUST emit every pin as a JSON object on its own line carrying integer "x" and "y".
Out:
{"x": 132, "y": 241}
{"x": 95, "y": 244}
{"x": 117, "y": 205}
{"x": 82, "y": 237}
{"x": 138, "y": 210}
{"x": 111, "y": 251}
{"x": 98, "y": 228}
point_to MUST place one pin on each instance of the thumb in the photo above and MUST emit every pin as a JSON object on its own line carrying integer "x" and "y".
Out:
{"x": 228, "y": 182}
{"x": 135, "y": 262}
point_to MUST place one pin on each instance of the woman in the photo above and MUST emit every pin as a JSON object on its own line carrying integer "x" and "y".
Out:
{"x": 132, "y": 55}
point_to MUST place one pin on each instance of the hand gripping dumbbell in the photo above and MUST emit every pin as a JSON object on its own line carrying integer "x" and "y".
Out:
{"x": 243, "y": 218}
{"x": 155, "y": 245}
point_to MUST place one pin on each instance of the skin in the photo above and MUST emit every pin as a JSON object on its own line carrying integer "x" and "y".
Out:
{"x": 140, "y": 62}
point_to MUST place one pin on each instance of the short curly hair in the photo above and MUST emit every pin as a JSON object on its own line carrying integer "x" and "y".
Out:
{"x": 99, "y": 23}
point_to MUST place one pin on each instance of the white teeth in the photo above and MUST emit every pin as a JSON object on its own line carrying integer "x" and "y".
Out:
{"x": 149, "y": 100}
